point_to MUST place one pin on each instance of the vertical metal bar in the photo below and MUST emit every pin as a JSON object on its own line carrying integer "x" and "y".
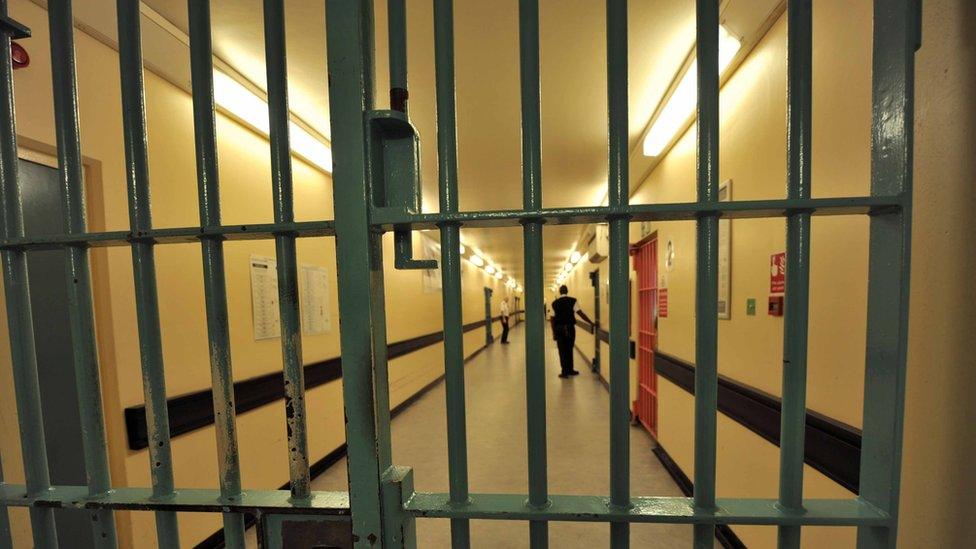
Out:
{"x": 535, "y": 357}
{"x": 349, "y": 28}
{"x": 396, "y": 13}
{"x": 77, "y": 274}
{"x": 896, "y": 27}
{"x": 5, "y": 538}
{"x": 457, "y": 443}
{"x": 144, "y": 266}
{"x": 706, "y": 274}
{"x": 281, "y": 181}
{"x": 799, "y": 88}
{"x": 619, "y": 194}
{"x": 215, "y": 289}
{"x": 20, "y": 321}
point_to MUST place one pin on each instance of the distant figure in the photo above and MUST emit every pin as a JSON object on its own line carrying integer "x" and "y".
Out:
{"x": 504, "y": 310}
{"x": 564, "y": 311}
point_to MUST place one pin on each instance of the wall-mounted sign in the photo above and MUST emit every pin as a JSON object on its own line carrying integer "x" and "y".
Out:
{"x": 662, "y": 303}
{"x": 777, "y": 273}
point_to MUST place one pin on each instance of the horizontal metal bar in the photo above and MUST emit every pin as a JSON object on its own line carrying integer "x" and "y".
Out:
{"x": 673, "y": 510}
{"x": 176, "y": 235}
{"x": 197, "y": 500}
{"x": 678, "y": 211}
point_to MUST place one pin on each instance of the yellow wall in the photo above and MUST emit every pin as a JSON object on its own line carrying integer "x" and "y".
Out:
{"x": 246, "y": 198}
{"x": 938, "y": 484}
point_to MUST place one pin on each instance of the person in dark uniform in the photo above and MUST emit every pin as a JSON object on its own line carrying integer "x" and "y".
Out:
{"x": 564, "y": 311}
{"x": 505, "y": 315}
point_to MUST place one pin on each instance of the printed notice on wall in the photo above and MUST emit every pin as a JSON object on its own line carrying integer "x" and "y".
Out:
{"x": 264, "y": 297}
{"x": 313, "y": 292}
{"x": 725, "y": 256}
{"x": 432, "y": 277}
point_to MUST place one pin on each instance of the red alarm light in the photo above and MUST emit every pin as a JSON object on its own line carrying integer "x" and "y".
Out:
{"x": 19, "y": 56}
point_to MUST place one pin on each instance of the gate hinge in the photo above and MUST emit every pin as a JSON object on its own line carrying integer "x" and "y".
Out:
{"x": 393, "y": 165}
{"x": 13, "y": 28}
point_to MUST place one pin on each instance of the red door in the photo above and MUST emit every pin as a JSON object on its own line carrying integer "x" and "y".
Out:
{"x": 645, "y": 263}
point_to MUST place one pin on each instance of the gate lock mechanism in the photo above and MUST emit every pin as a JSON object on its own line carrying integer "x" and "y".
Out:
{"x": 393, "y": 156}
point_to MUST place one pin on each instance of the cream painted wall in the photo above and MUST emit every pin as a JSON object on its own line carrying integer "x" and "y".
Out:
{"x": 246, "y": 198}
{"x": 938, "y": 482}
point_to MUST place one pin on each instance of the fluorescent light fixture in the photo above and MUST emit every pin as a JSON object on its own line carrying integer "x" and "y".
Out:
{"x": 499, "y": 275}
{"x": 490, "y": 269}
{"x": 575, "y": 257}
{"x": 568, "y": 267}
{"x": 245, "y": 105}
{"x": 463, "y": 249}
{"x": 682, "y": 102}
{"x": 476, "y": 260}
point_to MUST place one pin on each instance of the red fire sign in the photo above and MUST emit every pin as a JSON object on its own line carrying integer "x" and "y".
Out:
{"x": 662, "y": 303}
{"x": 777, "y": 273}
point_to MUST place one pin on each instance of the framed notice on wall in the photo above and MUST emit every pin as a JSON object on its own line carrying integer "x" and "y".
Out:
{"x": 432, "y": 277}
{"x": 725, "y": 256}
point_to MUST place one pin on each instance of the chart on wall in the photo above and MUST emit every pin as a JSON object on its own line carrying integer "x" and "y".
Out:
{"x": 313, "y": 298}
{"x": 313, "y": 290}
{"x": 432, "y": 277}
{"x": 725, "y": 256}
{"x": 264, "y": 297}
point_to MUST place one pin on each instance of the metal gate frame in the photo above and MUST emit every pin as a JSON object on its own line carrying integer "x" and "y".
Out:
{"x": 381, "y": 501}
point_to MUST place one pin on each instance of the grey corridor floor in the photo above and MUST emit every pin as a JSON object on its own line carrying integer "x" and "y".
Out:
{"x": 577, "y": 412}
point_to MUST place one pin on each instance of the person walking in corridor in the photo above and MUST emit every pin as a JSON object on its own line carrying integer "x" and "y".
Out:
{"x": 564, "y": 311}
{"x": 505, "y": 315}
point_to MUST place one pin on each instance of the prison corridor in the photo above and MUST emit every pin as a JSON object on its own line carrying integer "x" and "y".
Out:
{"x": 577, "y": 412}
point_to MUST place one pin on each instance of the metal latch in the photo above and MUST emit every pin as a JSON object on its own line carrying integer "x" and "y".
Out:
{"x": 393, "y": 156}
{"x": 13, "y": 29}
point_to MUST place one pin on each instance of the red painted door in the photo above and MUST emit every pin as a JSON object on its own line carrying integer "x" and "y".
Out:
{"x": 645, "y": 263}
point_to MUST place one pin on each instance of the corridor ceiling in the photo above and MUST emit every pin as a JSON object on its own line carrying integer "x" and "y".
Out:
{"x": 573, "y": 74}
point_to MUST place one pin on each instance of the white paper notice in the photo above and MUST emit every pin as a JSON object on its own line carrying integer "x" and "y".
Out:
{"x": 264, "y": 297}
{"x": 313, "y": 291}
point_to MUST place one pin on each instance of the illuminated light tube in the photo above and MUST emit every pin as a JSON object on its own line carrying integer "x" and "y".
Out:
{"x": 476, "y": 260}
{"x": 682, "y": 102}
{"x": 463, "y": 249}
{"x": 568, "y": 267}
{"x": 499, "y": 275}
{"x": 574, "y": 259}
{"x": 241, "y": 102}
{"x": 490, "y": 269}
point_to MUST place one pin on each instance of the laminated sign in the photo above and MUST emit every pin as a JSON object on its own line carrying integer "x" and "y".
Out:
{"x": 777, "y": 273}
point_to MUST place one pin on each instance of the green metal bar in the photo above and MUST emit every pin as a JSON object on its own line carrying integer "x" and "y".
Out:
{"x": 144, "y": 265}
{"x": 282, "y": 191}
{"x": 196, "y": 500}
{"x": 619, "y": 192}
{"x": 661, "y": 510}
{"x": 682, "y": 211}
{"x": 396, "y": 13}
{"x": 742, "y": 209}
{"x": 896, "y": 27}
{"x": 457, "y": 438}
{"x": 20, "y": 323}
{"x": 535, "y": 353}
{"x": 799, "y": 106}
{"x": 349, "y": 31}
{"x": 177, "y": 235}
{"x": 215, "y": 289}
{"x": 706, "y": 284}
{"x": 5, "y": 537}
{"x": 564, "y": 508}
{"x": 77, "y": 273}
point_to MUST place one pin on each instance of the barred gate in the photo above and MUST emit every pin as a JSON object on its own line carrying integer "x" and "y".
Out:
{"x": 376, "y": 189}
